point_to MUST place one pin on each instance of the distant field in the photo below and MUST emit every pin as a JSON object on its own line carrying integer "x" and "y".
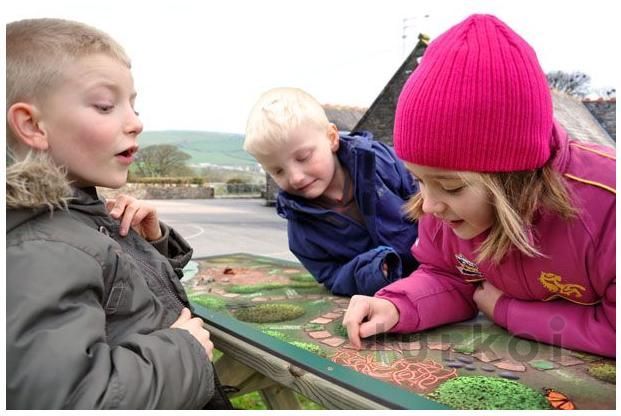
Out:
{"x": 204, "y": 146}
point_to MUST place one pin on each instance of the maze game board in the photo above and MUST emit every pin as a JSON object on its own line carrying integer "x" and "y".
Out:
{"x": 473, "y": 364}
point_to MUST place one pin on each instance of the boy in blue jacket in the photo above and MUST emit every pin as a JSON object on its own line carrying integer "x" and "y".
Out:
{"x": 341, "y": 195}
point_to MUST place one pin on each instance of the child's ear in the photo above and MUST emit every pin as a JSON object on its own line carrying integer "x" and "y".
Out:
{"x": 23, "y": 120}
{"x": 333, "y": 135}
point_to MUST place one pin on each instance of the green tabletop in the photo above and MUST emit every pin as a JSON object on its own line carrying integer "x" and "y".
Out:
{"x": 276, "y": 307}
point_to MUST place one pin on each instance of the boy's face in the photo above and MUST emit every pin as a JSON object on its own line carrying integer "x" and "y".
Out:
{"x": 464, "y": 207}
{"x": 90, "y": 123}
{"x": 305, "y": 165}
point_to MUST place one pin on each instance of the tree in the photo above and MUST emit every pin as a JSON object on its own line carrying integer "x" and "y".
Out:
{"x": 575, "y": 83}
{"x": 160, "y": 160}
{"x": 607, "y": 93}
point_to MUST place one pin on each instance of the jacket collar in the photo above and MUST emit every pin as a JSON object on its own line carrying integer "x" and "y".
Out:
{"x": 36, "y": 186}
{"x": 355, "y": 150}
{"x": 559, "y": 148}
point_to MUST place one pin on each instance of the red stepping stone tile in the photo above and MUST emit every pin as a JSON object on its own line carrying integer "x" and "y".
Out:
{"x": 438, "y": 346}
{"x": 568, "y": 360}
{"x": 321, "y": 321}
{"x": 259, "y": 299}
{"x": 511, "y": 366}
{"x": 319, "y": 334}
{"x": 409, "y": 346}
{"x": 332, "y": 315}
{"x": 333, "y": 342}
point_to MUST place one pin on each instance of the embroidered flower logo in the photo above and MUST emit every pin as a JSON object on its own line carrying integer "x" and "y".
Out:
{"x": 553, "y": 283}
{"x": 468, "y": 268}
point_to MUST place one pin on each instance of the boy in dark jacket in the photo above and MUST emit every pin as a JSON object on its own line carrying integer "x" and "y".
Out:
{"x": 96, "y": 315}
{"x": 342, "y": 195}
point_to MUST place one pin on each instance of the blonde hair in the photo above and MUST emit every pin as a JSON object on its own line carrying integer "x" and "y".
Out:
{"x": 516, "y": 198}
{"x": 278, "y": 112}
{"x": 37, "y": 51}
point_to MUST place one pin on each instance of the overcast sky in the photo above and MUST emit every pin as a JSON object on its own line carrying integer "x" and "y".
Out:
{"x": 200, "y": 65}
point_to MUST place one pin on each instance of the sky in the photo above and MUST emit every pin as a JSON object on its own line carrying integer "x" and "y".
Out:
{"x": 201, "y": 64}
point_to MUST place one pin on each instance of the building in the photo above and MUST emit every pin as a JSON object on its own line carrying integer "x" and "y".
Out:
{"x": 593, "y": 121}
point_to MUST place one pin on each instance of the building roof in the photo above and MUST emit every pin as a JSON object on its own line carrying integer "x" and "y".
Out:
{"x": 345, "y": 117}
{"x": 569, "y": 111}
{"x": 576, "y": 118}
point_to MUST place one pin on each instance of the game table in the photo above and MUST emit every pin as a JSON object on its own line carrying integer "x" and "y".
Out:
{"x": 280, "y": 331}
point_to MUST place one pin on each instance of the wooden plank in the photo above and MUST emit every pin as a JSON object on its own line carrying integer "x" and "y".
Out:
{"x": 322, "y": 391}
{"x": 231, "y": 372}
{"x": 279, "y": 397}
{"x": 257, "y": 382}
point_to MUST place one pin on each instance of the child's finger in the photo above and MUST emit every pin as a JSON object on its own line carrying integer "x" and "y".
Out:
{"x": 116, "y": 209}
{"x": 372, "y": 327}
{"x": 184, "y": 316}
{"x": 356, "y": 313}
{"x": 140, "y": 215}
{"x": 110, "y": 204}
{"x": 353, "y": 335}
{"x": 126, "y": 221}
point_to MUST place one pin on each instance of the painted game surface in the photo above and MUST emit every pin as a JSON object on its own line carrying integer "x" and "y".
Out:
{"x": 469, "y": 365}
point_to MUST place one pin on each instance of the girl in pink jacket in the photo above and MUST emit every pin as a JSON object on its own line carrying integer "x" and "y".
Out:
{"x": 516, "y": 220}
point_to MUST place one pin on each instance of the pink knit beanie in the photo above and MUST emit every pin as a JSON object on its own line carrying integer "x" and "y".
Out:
{"x": 479, "y": 101}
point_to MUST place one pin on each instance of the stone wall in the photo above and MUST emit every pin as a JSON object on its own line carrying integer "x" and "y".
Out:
{"x": 151, "y": 191}
{"x": 271, "y": 191}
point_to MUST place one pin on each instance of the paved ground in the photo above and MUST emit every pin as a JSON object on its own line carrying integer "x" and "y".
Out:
{"x": 224, "y": 226}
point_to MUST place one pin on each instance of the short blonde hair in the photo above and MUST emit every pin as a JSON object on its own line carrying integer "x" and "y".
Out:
{"x": 37, "y": 50}
{"x": 516, "y": 197}
{"x": 278, "y": 112}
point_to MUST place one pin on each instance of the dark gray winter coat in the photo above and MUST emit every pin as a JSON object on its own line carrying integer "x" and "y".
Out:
{"x": 88, "y": 312}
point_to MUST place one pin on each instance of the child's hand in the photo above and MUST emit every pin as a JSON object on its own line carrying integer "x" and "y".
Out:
{"x": 486, "y": 296}
{"x": 195, "y": 327}
{"x": 368, "y": 316}
{"x": 132, "y": 212}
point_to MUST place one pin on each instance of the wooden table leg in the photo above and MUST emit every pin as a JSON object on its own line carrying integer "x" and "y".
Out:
{"x": 279, "y": 397}
{"x": 233, "y": 373}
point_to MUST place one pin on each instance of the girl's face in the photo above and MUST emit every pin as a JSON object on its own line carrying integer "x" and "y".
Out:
{"x": 464, "y": 207}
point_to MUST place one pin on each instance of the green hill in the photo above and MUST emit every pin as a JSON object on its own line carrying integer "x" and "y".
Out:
{"x": 204, "y": 146}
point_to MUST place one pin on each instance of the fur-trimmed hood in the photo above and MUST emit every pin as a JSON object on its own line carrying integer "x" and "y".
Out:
{"x": 36, "y": 182}
{"x": 33, "y": 186}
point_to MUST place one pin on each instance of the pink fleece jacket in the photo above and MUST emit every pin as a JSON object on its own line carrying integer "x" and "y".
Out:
{"x": 566, "y": 298}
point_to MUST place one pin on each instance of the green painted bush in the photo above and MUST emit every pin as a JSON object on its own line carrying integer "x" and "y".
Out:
{"x": 488, "y": 393}
{"x": 208, "y": 301}
{"x": 269, "y": 286}
{"x": 604, "y": 372}
{"x": 270, "y": 312}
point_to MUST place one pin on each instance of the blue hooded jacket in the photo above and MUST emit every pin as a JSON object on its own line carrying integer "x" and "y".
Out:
{"x": 346, "y": 256}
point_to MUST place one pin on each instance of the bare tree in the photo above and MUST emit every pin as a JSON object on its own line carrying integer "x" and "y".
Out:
{"x": 160, "y": 160}
{"x": 606, "y": 93}
{"x": 574, "y": 83}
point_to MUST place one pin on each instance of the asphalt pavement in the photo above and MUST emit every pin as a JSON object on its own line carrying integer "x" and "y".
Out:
{"x": 225, "y": 226}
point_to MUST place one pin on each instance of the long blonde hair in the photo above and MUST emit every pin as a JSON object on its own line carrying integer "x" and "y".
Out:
{"x": 516, "y": 198}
